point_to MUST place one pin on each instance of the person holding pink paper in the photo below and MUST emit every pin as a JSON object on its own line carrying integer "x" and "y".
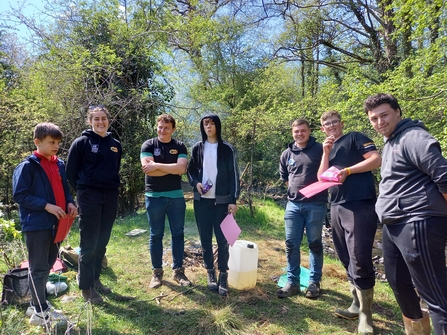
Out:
{"x": 353, "y": 217}
{"x": 40, "y": 188}
{"x": 298, "y": 168}
{"x": 213, "y": 172}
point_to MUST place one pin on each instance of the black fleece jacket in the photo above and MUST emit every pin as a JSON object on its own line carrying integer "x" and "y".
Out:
{"x": 94, "y": 162}
{"x": 227, "y": 181}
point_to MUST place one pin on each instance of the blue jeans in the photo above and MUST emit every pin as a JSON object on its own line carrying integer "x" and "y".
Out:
{"x": 157, "y": 209}
{"x": 300, "y": 215}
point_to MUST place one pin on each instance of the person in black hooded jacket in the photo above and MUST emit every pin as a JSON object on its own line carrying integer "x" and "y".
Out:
{"x": 92, "y": 167}
{"x": 213, "y": 173}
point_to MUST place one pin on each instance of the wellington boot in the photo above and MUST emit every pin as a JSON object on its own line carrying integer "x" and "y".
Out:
{"x": 365, "y": 312}
{"x": 417, "y": 326}
{"x": 352, "y": 312}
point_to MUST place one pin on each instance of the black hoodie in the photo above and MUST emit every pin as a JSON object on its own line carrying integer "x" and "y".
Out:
{"x": 94, "y": 162}
{"x": 414, "y": 176}
{"x": 227, "y": 181}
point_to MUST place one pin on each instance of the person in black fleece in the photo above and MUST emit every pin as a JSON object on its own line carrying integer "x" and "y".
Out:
{"x": 93, "y": 166}
{"x": 298, "y": 168}
{"x": 213, "y": 173}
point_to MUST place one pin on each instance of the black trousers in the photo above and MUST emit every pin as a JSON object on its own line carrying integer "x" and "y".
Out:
{"x": 414, "y": 255}
{"x": 42, "y": 253}
{"x": 209, "y": 216}
{"x": 354, "y": 226}
{"x": 97, "y": 213}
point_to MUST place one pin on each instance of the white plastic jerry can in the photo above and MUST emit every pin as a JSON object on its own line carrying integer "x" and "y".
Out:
{"x": 243, "y": 265}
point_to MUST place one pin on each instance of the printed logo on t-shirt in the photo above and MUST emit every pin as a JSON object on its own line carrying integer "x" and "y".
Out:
{"x": 291, "y": 162}
{"x": 157, "y": 152}
{"x": 114, "y": 149}
{"x": 95, "y": 148}
{"x": 173, "y": 151}
{"x": 368, "y": 145}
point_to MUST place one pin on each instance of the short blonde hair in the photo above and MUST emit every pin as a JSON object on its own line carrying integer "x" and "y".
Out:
{"x": 328, "y": 114}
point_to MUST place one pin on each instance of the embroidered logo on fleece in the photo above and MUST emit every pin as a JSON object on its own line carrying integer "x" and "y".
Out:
{"x": 173, "y": 151}
{"x": 95, "y": 148}
{"x": 114, "y": 149}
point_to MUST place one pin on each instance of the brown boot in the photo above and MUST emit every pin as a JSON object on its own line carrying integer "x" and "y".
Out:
{"x": 101, "y": 288}
{"x": 417, "y": 326}
{"x": 179, "y": 276}
{"x": 92, "y": 296}
{"x": 157, "y": 278}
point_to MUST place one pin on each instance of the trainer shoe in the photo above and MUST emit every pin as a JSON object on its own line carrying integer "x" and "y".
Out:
{"x": 30, "y": 310}
{"x": 92, "y": 296}
{"x": 313, "y": 290}
{"x": 212, "y": 282}
{"x": 46, "y": 317}
{"x": 288, "y": 291}
{"x": 179, "y": 277}
{"x": 157, "y": 278}
{"x": 101, "y": 288}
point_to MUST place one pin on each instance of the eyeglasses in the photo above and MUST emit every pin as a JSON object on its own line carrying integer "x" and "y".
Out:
{"x": 331, "y": 123}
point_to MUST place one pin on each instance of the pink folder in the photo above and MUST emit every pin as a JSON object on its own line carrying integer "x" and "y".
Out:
{"x": 319, "y": 186}
{"x": 230, "y": 229}
{"x": 63, "y": 228}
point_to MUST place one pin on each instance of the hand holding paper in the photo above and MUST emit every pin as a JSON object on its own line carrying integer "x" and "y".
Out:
{"x": 328, "y": 178}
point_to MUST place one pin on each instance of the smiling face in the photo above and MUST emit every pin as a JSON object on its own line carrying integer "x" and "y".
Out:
{"x": 165, "y": 131}
{"x": 47, "y": 147}
{"x": 384, "y": 119}
{"x": 99, "y": 122}
{"x": 301, "y": 135}
{"x": 332, "y": 126}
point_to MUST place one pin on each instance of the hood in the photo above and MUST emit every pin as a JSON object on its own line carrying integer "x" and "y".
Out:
{"x": 217, "y": 123}
{"x": 405, "y": 124}
{"x": 91, "y": 133}
{"x": 310, "y": 143}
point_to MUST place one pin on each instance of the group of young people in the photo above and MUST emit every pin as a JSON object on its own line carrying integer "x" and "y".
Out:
{"x": 41, "y": 189}
{"x": 411, "y": 205}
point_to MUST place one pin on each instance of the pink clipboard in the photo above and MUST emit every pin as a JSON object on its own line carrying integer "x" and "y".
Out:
{"x": 315, "y": 188}
{"x": 63, "y": 228}
{"x": 230, "y": 229}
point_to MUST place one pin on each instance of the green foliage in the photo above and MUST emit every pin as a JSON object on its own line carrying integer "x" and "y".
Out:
{"x": 11, "y": 247}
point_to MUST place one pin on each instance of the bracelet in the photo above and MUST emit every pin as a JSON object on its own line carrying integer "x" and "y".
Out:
{"x": 349, "y": 171}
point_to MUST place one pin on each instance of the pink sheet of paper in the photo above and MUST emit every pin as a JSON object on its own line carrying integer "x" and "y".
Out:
{"x": 230, "y": 229}
{"x": 63, "y": 228}
{"x": 317, "y": 187}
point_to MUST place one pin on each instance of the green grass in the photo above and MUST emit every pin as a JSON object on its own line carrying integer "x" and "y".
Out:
{"x": 198, "y": 311}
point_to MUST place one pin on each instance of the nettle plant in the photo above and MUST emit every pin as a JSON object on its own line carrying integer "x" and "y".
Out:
{"x": 11, "y": 246}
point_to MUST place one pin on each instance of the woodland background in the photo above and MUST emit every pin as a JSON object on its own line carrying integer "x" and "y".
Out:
{"x": 258, "y": 64}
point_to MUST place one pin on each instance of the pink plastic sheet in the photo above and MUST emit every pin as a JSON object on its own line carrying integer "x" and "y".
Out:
{"x": 230, "y": 229}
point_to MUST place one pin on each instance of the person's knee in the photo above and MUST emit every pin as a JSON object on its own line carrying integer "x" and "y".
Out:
{"x": 316, "y": 247}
